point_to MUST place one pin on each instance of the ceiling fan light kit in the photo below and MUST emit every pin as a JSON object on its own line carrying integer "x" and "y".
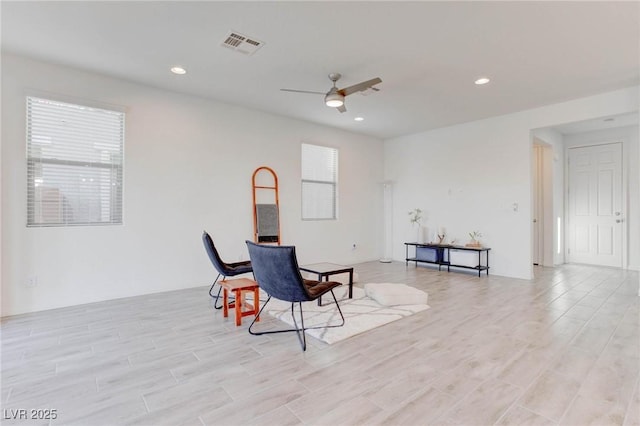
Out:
{"x": 334, "y": 98}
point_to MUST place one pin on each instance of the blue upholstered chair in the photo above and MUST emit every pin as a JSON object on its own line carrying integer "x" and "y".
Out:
{"x": 224, "y": 269}
{"x": 276, "y": 270}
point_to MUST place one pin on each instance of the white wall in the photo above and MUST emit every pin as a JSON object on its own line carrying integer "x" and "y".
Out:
{"x": 188, "y": 166}
{"x": 629, "y": 138}
{"x": 468, "y": 177}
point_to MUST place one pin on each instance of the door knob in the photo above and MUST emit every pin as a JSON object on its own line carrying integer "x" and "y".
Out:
{"x": 618, "y": 221}
{"x": 617, "y": 213}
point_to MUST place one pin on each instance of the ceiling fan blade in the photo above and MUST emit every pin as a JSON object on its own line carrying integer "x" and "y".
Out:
{"x": 342, "y": 108}
{"x": 359, "y": 87}
{"x": 303, "y": 91}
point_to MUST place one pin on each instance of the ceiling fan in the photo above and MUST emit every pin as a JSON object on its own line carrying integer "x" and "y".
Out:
{"x": 335, "y": 97}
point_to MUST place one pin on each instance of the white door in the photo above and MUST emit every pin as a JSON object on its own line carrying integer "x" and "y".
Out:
{"x": 595, "y": 205}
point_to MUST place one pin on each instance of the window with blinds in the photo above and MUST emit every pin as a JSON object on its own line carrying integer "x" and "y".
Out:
{"x": 319, "y": 182}
{"x": 74, "y": 164}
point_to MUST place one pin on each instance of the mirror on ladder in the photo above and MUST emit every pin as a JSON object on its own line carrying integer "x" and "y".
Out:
{"x": 266, "y": 206}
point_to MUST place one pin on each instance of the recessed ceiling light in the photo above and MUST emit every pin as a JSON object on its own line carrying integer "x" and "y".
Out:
{"x": 482, "y": 80}
{"x": 359, "y": 119}
{"x": 178, "y": 70}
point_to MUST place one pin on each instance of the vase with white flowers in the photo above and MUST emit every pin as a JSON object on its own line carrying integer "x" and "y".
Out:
{"x": 415, "y": 218}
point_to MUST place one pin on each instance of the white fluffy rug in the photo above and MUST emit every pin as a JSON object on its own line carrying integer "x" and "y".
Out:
{"x": 360, "y": 313}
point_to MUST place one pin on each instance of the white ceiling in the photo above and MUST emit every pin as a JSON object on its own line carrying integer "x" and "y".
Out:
{"x": 427, "y": 53}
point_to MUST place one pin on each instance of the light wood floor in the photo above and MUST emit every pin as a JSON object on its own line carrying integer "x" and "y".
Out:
{"x": 560, "y": 349}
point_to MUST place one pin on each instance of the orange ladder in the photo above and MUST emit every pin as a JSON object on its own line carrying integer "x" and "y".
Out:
{"x": 265, "y": 220}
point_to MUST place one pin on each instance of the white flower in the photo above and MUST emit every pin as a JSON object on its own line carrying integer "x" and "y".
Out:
{"x": 415, "y": 217}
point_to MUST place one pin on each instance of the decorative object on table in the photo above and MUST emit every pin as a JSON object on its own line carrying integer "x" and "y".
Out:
{"x": 424, "y": 235}
{"x": 415, "y": 218}
{"x": 475, "y": 235}
{"x": 439, "y": 236}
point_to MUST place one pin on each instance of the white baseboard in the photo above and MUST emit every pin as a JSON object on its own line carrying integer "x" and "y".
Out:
{"x": 633, "y": 267}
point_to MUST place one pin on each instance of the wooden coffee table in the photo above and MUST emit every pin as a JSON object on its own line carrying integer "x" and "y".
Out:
{"x": 325, "y": 270}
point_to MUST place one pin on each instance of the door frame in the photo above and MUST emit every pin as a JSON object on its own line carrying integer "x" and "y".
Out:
{"x": 624, "y": 205}
{"x": 545, "y": 220}
{"x": 538, "y": 206}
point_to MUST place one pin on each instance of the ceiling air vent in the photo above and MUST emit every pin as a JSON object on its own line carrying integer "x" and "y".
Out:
{"x": 241, "y": 43}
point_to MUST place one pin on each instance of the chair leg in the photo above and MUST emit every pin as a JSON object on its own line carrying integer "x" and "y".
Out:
{"x": 217, "y": 297}
{"x": 215, "y": 304}
{"x": 334, "y": 325}
{"x": 339, "y": 310}
{"x": 255, "y": 320}
{"x": 304, "y": 336}
{"x": 301, "y": 337}
{"x": 212, "y": 285}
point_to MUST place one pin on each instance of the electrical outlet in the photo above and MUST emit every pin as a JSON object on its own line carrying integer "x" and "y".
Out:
{"x": 32, "y": 281}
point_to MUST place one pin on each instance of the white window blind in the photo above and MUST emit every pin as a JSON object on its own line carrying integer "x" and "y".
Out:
{"x": 319, "y": 182}
{"x": 74, "y": 164}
